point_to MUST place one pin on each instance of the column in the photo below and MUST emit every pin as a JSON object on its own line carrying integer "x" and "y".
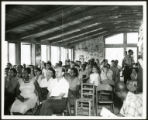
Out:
{"x": 37, "y": 54}
{"x": 33, "y": 54}
{"x": 49, "y": 52}
{"x": 18, "y": 53}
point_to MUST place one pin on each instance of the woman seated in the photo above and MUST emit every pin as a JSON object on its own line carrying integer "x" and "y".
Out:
{"x": 27, "y": 98}
{"x": 45, "y": 82}
{"x": 106, "y": 78}
{"x": 94, "y": 76}
{"x": 11, "y": 84}
{"x": 74, "y": 85}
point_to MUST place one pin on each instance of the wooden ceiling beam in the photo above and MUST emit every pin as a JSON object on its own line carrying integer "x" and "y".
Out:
{"x": 45, "y": 28}
{"x": 77, "y": 28}
{"x": 47, "y": 15}
{"x": 83, "y": 32}
{"x": 85, "y": 38}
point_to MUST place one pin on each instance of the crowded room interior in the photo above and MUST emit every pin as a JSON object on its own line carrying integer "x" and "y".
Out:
{"x": 73, "y": 60}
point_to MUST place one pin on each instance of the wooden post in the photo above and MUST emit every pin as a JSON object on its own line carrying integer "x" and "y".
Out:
{"x": 18, "y": 53}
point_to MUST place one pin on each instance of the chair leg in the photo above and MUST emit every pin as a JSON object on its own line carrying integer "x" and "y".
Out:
{"x": 112, "y": 107}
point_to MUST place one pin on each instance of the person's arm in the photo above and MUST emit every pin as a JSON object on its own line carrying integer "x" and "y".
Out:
{"x": 120, "y": 115}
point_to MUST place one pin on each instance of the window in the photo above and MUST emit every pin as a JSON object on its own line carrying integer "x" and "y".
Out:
{"x": 63, "y": 55}
{"x": 116, "y": 46}
{"x": 115, "y": 39}
{"x": 5, "y": 53}
{"x": 12, "y": 53}
{"x": 25, "y": 54}
{"x": 44, "y": 53}
{"x": 69, "y": 54}
{"x": 114, "y": 54}
{"x": 132, "y": 38}
{"x": 54, "y": 55}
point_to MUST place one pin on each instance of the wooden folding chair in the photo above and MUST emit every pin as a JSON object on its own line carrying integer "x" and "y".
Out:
{"x": 104, "y": 97}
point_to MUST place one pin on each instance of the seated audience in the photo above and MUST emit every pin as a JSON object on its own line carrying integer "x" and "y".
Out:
{"x": 27, "y": 98}
{"x": 132, "y": 103}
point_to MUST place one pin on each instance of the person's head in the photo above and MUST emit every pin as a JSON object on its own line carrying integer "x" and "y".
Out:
{"x": 9, "y": 65}
{"x": 37, "y": 71}
{"x": 31, "y": 67}
{"x": 73, "y": 72}
{"x": 72, "y": 64}
{"x": 60, "y": 63}
{"x": 83, "y": 66}
{"x": 12, "y": 72}
{"x": 106, "y": 67}
{"x": 125, "y": 53}
{"x": 116, "y": 62}
{"x": 6, "y": 71}
{"x": 19, "y": 68}
{"x": 135, "y": 68}
{"x": 43, "y": 64}
{"x": 112, "y": 63}
{"x": 95, "y": 69}
{"x": 50, "y": 73}
{"x": 130, "y": 52}
{"x": 26, "y": 72}
{"x": 121, "y": 90}
{"x": 24, "y": 65}
{"x": 48, "y": 65}
{"x": 67, "y": 62}
{"x": 59, "y": 71}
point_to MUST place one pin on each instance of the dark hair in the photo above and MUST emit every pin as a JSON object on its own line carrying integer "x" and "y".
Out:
{"x": 28, "y": 70}
{"x": 75, "y": 71}
{"x": 14, "y": 70}
{"x": 130, "y": 50}
{"x": 98, "y": 68}
{"x": 83, "y": 66}
{"x": 38, "y": 69}
{"x": 112, "y": 60}
{"x": 53, "y": 71}
{"x": 49, "y": 63}
{"x": 60, "y": 62}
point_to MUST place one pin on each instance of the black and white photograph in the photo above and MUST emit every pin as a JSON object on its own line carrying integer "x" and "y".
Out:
{"x": 80, "y": 60}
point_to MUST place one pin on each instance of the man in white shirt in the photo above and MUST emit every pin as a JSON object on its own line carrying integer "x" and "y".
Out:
{"x": 57, "y": 96}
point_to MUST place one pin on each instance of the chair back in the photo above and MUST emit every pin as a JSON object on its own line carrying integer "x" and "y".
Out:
{"x": 87, "y": 91}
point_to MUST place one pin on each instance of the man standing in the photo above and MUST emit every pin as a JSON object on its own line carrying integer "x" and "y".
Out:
{"x": 57, "y": 96}
{"x": 132, "y": 103}
{"x": 127, "y": 65}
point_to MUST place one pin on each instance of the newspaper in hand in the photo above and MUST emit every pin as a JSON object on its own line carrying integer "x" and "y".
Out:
{"x": 106, "y": 113}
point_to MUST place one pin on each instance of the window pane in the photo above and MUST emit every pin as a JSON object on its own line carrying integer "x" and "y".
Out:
{"x": 5, "y": 54}
{"x": 115, "y": 39}
{"x": 12, "y": 53}
{"x": 114, "y": 54}
{"x": 132, "y": 38}
{"x": 135, "y": 52}
{"x": 69, "y": 54}
{"x": 63, "y": 55}
{"x": 43, "y": 53}
{"x": 25, "y": 54}
{"x": 54, "y": 55}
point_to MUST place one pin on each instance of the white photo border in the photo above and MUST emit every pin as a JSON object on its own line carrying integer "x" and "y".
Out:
{"x": 3, "y": 55}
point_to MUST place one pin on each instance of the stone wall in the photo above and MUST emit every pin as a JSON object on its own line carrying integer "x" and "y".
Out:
{"x": 90, "y": 49}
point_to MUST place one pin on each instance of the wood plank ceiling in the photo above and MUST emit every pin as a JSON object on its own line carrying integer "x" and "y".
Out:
{"x": 68, "y": 25}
